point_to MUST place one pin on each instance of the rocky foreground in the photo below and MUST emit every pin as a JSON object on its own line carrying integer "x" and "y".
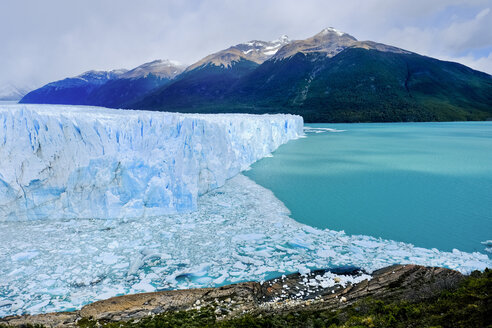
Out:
{"x": 277, "y": 297}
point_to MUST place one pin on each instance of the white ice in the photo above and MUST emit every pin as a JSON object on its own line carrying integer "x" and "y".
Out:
{"x": 239, "y": 232}
{"x": 320, "y": 130}
{"x": 90, "y": 162}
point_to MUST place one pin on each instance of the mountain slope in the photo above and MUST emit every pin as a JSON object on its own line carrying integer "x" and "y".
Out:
{"x": 332, "y": 77}
{"x": 206, "y": 82}
{"x": 109, "y": 89}
{"x": 135, "y": 83}
{"x": 360, "y": 85}
{"x": 254, "y": 51}
{"x": 205, "y": 86}
{"x": 329, "y": 77}
{"x": 73, "y": 91}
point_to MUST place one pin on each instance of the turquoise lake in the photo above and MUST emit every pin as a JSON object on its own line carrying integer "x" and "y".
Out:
{"x": 429, "y": 184}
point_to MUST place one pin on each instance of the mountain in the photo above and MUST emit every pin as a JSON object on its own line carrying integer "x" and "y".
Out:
{"x": 106, "y": 88}
{"x": 254, "y": 51}
{"x": 330, "y": 42}
{"x": 11, "y": 92}
{"x": 330, "y": 77}
{"x": 73, "y": 90}
{"x": 368, "y": 85}
{"x": 206, "y": 82}
{"x": 135, "y": 83}
{"x": 164, "y": 69}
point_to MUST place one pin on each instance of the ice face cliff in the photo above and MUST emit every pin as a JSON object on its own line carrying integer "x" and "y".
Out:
{"x": 89, "y": 162}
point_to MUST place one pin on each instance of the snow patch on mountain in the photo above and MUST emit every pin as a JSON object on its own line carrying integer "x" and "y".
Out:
{"x": 99, "y": 77}
{"x": 168, "y": 69}
{"x": 256, "y": 51}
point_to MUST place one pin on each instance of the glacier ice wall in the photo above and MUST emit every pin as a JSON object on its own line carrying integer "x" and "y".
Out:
{"x": 89, "y": 162}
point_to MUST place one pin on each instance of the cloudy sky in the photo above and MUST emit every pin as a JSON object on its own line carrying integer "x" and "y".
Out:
{"x": 46, "y": 40}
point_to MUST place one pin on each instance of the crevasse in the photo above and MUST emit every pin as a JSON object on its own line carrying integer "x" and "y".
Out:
{"x": 88, "y": 162}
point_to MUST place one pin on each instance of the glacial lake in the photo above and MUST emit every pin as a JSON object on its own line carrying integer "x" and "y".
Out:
{"x": 384, "y": 184}
{"x": 429, "y": 184}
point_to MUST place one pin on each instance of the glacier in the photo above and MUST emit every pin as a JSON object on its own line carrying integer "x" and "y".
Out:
{"x": 91, "y": 162}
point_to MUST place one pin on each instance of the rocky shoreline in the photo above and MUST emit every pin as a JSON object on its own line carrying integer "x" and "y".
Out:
{"x": 279, "y": 296}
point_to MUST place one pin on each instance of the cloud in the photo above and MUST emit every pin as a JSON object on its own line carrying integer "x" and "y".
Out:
{"x": 469, "y": 35}
{"x": 42, "y": 41}
{"x": 457, "y": 37}
{"x": 483, "y": 64}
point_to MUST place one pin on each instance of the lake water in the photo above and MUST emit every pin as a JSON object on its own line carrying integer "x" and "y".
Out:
{"x": 429, "y": 184}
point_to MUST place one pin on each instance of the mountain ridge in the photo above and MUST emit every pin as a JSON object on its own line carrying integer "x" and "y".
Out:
{"x": 106, "y": 88}
{"x": 329, "y": 77}
{"x": 333, "y": 77}
{"x": 256, "y": 51}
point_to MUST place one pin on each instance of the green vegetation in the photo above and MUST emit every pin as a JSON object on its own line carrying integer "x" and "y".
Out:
{"x": 468, "y": 306}
{"x": 24, "y": 326}
{"x": 357, "y": 85}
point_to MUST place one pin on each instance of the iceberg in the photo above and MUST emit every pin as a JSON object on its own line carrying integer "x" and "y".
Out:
{"x": 63, "y": 162}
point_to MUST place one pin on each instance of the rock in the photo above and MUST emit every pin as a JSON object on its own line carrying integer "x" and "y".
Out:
{"x": 404, "y": 282}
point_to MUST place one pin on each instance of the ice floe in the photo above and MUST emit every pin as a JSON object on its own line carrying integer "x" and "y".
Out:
{"x": 308, "y": 129}
{"x": 240, "y": 231}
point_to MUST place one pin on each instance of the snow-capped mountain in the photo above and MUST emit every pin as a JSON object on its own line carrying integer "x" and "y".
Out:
{"x": 106, "y": 88}
{"x": 331, "y": 42}
{"x": 11, "y": 92}
{"x": 95, "y": 77}
{"x": 329, "y": 77}
{"x": 255, "y": 51}
{"x": 168, "y": 69}
{"x": 72, "y": 90}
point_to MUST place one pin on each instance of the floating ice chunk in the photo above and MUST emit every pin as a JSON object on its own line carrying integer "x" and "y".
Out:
{"x": 143, "y": 286}
{"x": 221, "y": 279}
{"x": 204, "y": 281}
{"x": 320, "y": 130}
{"x": 239, "y": 265}
{"x": 303, "y": 270}
{"x": 368, "y": 243}
{"x": 36, "y": 308}
{"x": 108, "y": 258}
{"x": 326, "y": 253}
{"x": 299, "y": 243}
{"x": 25, "y": 256}
{"x": 113, "y": 244}
{"x": 249, "y": 237}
